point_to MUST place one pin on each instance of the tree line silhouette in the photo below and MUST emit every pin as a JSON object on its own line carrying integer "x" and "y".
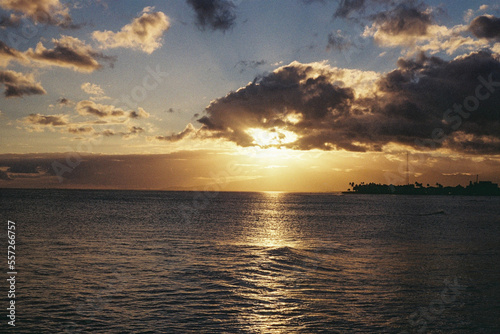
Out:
{"x": 480, "y": 188}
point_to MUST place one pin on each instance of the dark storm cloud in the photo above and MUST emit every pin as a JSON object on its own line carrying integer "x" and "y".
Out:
{"x": 424, "y": 99}
{"x": 214, "y": 14}
{"x": 486, "y": 26}
{"x": 404, "y": 20}
{"x": 431, "y": 93}
{"x": 18, "y": 84}
{"x": 275, "y": 99}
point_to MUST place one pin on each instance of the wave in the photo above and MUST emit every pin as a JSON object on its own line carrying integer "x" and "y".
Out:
{"x": 440, "y": 212}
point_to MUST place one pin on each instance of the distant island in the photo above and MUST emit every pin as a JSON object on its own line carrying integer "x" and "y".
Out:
{"x": 478, "y": 188}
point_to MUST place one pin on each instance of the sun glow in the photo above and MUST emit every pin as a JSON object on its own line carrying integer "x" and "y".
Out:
{"x": 272, "y": 137}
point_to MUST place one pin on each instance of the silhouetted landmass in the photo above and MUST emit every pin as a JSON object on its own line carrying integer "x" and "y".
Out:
{"x": 481, "y": 188}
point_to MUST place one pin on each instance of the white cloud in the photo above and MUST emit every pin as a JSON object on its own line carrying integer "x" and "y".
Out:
{"x": 438, "y": 38}
{"x": 95, "y": 90}
{"x": 143, "y": 33}
{"x": 92, "y": 89}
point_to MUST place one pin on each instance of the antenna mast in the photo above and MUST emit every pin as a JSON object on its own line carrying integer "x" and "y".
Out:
{"x": 407, "y": 169}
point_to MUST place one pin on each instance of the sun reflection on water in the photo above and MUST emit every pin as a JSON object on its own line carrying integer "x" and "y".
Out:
{"x": 270, "y": 224}
{"x": 272, "y": 234}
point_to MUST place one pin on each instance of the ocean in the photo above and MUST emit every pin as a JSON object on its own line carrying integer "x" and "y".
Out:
{"x": 184, "y": 262}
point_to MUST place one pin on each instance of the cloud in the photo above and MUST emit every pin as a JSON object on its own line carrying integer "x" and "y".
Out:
{"x": 178, "y": 136}
{"x": 136, "y": 130}
{"x": 496, "y": 48}
{"x": 315, "y": 106}
{"x": 414, "y": 29}
{"x": 95, "y": 90}
{"x": 64, "y": 101}
{"x": 337, "y": 41}
{"x": 403, "y": 25}
{"x": 144, "y": 33}
{"x": 11, "y": 20}
{"x": 141, "y": 171}
{"x": 22, "y": 170}
{"x": 131, "y": 132}
{"x": 486, "y": 26}
{"x": 18, "y": 84}
{"x": 214, "y": 14}
{"x": 81, "y": 130}
{"x": 291, "y": 97}
{"x": 63, "y": 123}
{"x": 458, "y": 174}
{"x": 40, "y": 123}
{"x": 50, "y": 12}
{"x": 350, "y": 9}
{"x": 69, "y": 52}
{"x": 46, "y": 120}
{"x": 87, "y": 107}
{"x": 7, "y": 54}
{"x": 347, "y": 7}
{"x": 92, "y": 89}
{"x": 107, "y": 133}
{"x": 407, "y": 24}
{"x": 140, "y": 113}
{"x": 449, "y": 40}
{"x": 253, "y": 64}
{"x": 470, "y": 13}
{"x": 404, "y": 20}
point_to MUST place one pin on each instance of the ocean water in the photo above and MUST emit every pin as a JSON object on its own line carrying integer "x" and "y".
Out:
{"x": 185, "y": 262}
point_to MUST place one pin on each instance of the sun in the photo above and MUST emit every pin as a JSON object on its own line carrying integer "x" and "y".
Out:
{"x": 271, "y": 137}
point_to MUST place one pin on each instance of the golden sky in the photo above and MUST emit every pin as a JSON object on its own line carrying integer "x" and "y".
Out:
{"x": 248, "y": 95}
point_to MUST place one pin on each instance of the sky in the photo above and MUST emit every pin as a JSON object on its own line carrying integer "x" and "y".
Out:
{"x": 248, "y": 95}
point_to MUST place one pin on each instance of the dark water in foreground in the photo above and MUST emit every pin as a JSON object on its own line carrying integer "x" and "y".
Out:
{"x": 130, "y": 262}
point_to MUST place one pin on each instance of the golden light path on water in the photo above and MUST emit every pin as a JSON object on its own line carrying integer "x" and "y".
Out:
{"x": 272, "y": 235}
{"x": 271, "y": 226}
{"x": 291, "y": 279}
